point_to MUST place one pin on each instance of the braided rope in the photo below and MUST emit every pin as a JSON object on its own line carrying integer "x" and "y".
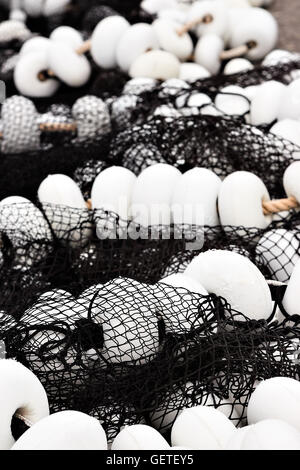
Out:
{"x": 55, "y": 127}
{"x": 279, "y": 205}
{"x": 58, "y": 127}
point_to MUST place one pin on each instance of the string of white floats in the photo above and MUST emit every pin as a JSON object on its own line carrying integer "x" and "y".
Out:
{"x": 268, "y": 103}
{"x": 159, "y": 51}
{"x": 263, "y": 104}
{"x": 196, "y": 198}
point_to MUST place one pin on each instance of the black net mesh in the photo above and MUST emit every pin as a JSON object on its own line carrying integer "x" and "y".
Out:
{"x": 141, "y": 137}
{"x": 281, "y": 72}
{"x": 21, "y": 174}
{"x": 220, "y": 144}
{"x": 61, "y": 247}
{"x": 127, "y": 352}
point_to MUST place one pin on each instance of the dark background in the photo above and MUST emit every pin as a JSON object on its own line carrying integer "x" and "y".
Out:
{"x": 287, "y": 13}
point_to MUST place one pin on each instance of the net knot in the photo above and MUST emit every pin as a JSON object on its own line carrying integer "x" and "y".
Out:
{"x": 88, "y": 334}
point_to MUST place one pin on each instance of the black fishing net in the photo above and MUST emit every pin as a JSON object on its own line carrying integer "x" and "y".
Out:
{"x": 65, "y": 248}
{"x": 146, "y": 131}
{"x": 21, "y": 174}
{"x": 220, "y": 144}
{"x": 128, "y": 353}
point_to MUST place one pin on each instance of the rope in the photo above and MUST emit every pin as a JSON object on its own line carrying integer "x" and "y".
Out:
{"x": 279, "y": 205}
{"x": 191, "y": 24}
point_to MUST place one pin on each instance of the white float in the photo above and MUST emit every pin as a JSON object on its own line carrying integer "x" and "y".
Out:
{"x": 160, "y": 65}
{"x": 267, "y": 435}
{"x": 136, "y": 40}
{"x": 202, "y": 428}
{"x": 266, "y": 102}
{"x": 195, "y": 197}
{"x": 152, "y": 195}
{"x": 291, "y": 297}
{"x": 27, "y": 76}
{"x": 21, "y": 394}
{"x": 72, "y": 220}
{"x": 66, "y": 430}
{"x": 139, "y": 437}
{"x": 240, "y": 201}
{"x": 235, "y": 278}
{"x": 169, "y": 40}
{"x": 276, "y": 398}
{"x": 105, "y": 39}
